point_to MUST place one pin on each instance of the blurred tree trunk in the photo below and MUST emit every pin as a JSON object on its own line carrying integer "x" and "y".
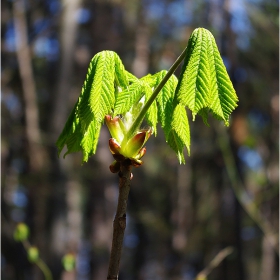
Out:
{"x": 182, "y": 209}
{"x": 68, "y": 32}
{"x": 140, "y": 64}
{"x": 267, "y": 262}
{"x": 67, "y": 191}
{"x": 38, "y": 159}
{"x": 228, "y": 48}
{"x": 33, "y": 134}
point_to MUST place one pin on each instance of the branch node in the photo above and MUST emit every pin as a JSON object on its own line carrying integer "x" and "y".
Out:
{"x": 122, "y": 221}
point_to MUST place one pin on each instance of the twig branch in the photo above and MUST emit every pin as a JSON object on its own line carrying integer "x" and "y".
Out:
{"x": 119, "y": 221}
{"x": 214, "y": 263}
{"x": 39, "y": 262}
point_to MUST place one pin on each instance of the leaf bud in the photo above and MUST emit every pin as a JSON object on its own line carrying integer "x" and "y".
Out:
{"x": 33, "y": 254}
{"x": 134, "y": 145}
{"x": 21, "y": 232}
{"x": 69, "y": 262}
{"x": 114, "y": 146}
{"x": 116, "y": 127}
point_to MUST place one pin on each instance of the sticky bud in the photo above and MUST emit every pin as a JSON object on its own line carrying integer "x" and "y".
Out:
{"x": 114, "y": 146}
{"x": 141, "y": 153}
{"x": 136, "y": 142}
{"x": 136, "y": 162}
{"x": 116, "y": 127}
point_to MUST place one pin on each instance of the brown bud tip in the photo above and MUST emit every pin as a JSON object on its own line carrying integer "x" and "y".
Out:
{"x": 114, "y": 146}
{"x": 136, "y": 162}
{"x": 107, "y": 118}
{"x": 115, "y": 167}
{"x": 141, "y": 153}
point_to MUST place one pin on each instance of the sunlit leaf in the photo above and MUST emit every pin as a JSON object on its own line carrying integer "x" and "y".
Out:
{"x": 126, "y": 98}
{"x": 97, "y": 99}
{"x": 165, "y": 101}
{"x": 179, "y": 136}
{"x": 204, "y": 81}
{"x": 152, "y": 113}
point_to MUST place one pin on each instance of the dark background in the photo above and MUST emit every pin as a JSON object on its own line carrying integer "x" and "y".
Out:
{"x": 179, "y": 217}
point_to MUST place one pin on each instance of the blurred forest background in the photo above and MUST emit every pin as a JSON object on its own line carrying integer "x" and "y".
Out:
{"x": 179, "y": 217}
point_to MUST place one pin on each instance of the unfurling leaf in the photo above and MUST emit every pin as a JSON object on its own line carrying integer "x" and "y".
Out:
{"x": 179, "y": 135}
{"x": 127, "y": 97}
{"x": 165, "y": 101}
{"x": 113, "y": 94}
{"x": 97, "y": 99}
{"x": 204, "y": 85}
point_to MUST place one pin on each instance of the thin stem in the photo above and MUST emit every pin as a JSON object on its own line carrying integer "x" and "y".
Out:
{"x": 157, "y": 90}
{"x": 124, "y": 183}
{"x": 39, "y": 262}
{"x": 214, "y": 263}
{"x": 119, "y": 221}
{"x": 240, "y": 191}
{"x": 44, "y": 268}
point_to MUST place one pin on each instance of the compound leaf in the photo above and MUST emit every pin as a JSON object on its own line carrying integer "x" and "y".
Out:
{"x": 97, "y": 99}
{"x": 204, "y": 81}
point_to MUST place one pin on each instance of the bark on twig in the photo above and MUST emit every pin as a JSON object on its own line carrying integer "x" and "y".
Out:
{"x": 119, "y": 222}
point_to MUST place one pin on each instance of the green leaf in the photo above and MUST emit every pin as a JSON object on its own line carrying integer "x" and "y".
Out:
{"x": 98, "y": 95}
{"x": 204, "y": 81}
{"x": 223, "y": 99}
{"x": 68, "y": 132}
{"x": 126, "y": 98}
{"x": 165, "y": 101}
{"x": 179, "y": 136}
{"x": 121, "y": 75}
{"x": 97, "y": 99}
{"x": 89, "y": 141}
{"x": 177, "y": 145}
{"x": 151, "y": 80}
{"x": 152, "y": 113}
